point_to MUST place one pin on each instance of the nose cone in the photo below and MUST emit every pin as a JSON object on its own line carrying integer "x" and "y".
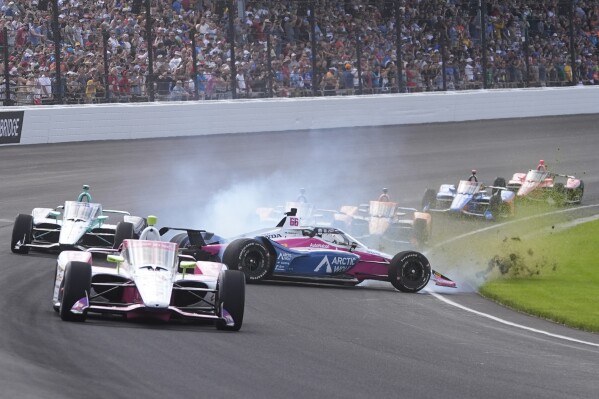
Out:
{"x": 155, "y": 288}
{"x": 71, "y": 232}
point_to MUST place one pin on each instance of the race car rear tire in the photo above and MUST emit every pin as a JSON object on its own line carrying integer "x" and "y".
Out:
{"x": 559, "y": 194}
{"x": 181, "y": 239}
{"x": 496, "y": 206}
{"x": 421, "y": 233}
{"x": 575, "y": 195}
{"x": 230, "y": 297}
{"x": 124, "y": 231}
{"x": 429, "y": 200}
{"x": 409, "y": 271}
{"x": 76, "y": 285}
{"x": 498, "y": 182}
{"x": 22, "y": 230}
{"x": 251, "y": 257}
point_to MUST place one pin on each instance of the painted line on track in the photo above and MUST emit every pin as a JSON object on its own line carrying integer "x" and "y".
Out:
{"x": 495, "y": 318}
{"x": 509, "y": 323}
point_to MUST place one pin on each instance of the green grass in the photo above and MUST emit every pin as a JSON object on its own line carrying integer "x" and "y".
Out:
{"x": 555, "y": 276}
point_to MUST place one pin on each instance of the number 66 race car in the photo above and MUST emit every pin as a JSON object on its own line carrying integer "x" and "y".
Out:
{"x": 315, "y": 254}
{"x": 150, "y": 280}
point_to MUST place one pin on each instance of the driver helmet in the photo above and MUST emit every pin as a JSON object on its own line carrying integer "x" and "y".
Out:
{"x": 541, "y": 162}
{"x": 473, "y": 171}
{"x": 385, "y": 190}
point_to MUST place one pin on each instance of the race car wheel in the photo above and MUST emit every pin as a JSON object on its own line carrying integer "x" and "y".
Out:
{"x": 421, "y": 233}
{"x": 498, "y": 182}
{"x": 76, "y": 285}
{"x": 559, "y": 194}
{"x": 251, "y": 257}
{"x": 21, "y": 232}
{"x": 182, "y": 239}
{"x": 230, "y": 299}
{"x": 56, "y": 308}
{"x": 124, "y": 231}
{"x": 409, "y": 271}
{"x": 496, "y": 206}
{"x": 575, "y": 195}
{"x": 429, "y": 200}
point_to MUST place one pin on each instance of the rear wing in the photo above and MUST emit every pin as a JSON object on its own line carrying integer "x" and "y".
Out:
{"x": 195, "y": 236}
{"x": 290, "y": 219}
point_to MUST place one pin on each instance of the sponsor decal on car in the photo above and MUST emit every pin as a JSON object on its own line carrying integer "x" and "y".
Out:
{"x": 336, "y": 265}
{"x": 11, "y": 125}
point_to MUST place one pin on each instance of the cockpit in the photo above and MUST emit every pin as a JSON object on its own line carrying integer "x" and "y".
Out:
{"x": 81, "y": 211}
{"x": 150, "y": 255}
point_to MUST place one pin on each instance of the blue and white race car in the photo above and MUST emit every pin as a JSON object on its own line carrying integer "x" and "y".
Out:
{"x": 471, "y": 198}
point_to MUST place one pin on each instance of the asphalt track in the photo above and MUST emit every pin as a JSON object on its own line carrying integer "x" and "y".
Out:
{"x": 300, "y": 341}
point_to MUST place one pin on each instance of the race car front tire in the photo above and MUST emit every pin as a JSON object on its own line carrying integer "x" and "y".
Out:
{"x": 230, "y": 298}
{"x": 429, "y": 200}
{"x": 251, "y": 257}
{"x": 76, "y": 285}
{"x": 409, "y": 271}
{"x": 22, "y": 231}
{"x": 181, "y": 239}
{"x": 124, "y": 231}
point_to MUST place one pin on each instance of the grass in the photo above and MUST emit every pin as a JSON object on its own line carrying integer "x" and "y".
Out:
{"x": 555, "y": 276}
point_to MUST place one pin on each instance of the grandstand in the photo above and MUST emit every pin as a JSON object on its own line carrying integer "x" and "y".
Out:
{"x": 95, "y": 51}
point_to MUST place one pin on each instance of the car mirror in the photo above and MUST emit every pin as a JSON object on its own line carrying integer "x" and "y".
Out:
{"x": 115, "y": 258}
{"x": 187, "y": 264}
{"x": 53, "y": 214}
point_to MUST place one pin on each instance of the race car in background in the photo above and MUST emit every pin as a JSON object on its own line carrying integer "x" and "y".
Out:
{"x": 307, "y": 212}
{"x": 385, "y": 219}
{"x": 151, "y": 280}
{"x": 539, "y": 185}
{"x": 291, "y": 251}
{"x": 471, "y": 198}
{"x": 75, "y": 225}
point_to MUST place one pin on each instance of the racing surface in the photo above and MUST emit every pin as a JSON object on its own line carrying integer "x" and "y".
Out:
{"x": 298, "y": 340}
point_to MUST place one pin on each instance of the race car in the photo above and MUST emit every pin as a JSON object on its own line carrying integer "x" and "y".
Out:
{"x": 75, "y": 225}
{"x": 384, "y": 219}
{"x": 471, "y": 198}
{"x": 539, "y": 185}
{"x": 307, "y": 212}
{"x": 151, "y": 280}
{"x": 291, "y": 251}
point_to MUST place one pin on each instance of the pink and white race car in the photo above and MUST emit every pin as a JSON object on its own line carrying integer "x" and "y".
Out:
{"x": 541, "y": 185}
{"x": 291, "y": 251}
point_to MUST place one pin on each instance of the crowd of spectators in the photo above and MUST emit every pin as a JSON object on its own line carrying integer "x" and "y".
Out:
{"x": 527, "y": 43}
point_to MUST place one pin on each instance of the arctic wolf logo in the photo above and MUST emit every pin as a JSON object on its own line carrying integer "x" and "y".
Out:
{"x": 339, "y": 264}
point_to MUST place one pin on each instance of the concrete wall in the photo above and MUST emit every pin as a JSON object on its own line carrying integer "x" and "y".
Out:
{"x": 131, "y": 121}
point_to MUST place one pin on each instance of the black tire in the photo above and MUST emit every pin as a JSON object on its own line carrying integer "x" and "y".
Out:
{"x": 559, "y": 194}
{"x": 251, "y": 257}
{"x": 231, "y": 297}
{"x": 181, "y": 239}
{"x": 575, "y": 195}
{"x": 124, "y": 231}
{"x": 429, "y": 200}
{"x": 421, "y": 233}
{"x": 56, "y": 308}
{"x": 409, "y": 271}
{"x": 498, "y": 182}
{"x": 496, "y": 205}
{"x": 76, "y": 285}
{"x": 22, "y": 230}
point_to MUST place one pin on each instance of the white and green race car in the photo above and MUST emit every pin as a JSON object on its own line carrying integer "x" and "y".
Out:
{"x": 75, "y": 225}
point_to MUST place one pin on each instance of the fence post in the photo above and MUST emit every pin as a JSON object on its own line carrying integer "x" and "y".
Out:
{"x": 150, "y": 80}
{"x": 572, "y": 48}
{"x": 232, "y": 49}
{"x": 7, "y": 96}
{"x": 359, "y": 60}
{"x": 527, "y": 53}
{"x": 194, "y": 59}
{"x": 268, "y": 30}
{"x": 398, "y": 27}
{"x": 57, "y": 50}
{"x": 483, "y": 39}
{"x": 105, "y": 54}
{"x": 315, "y": 80}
